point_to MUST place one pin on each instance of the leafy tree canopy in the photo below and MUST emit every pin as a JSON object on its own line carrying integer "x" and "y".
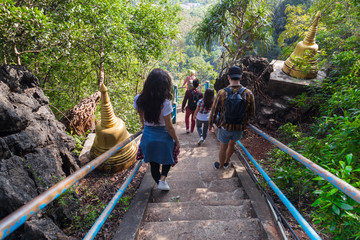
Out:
{"x": 236, "y": 25}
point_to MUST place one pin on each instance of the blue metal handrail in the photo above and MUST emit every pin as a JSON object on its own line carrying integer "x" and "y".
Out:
{"x": 343, "y": 186}
{"x": 176, "y": 98}
{"x": 10, "y": 223}
{"x": 105, "y": 214}
{"x": 174, "y": 112}
{"x": 299, "y": 218}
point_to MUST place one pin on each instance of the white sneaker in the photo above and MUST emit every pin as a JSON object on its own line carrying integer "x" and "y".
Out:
{"x": 163, "y": 185}
{"x": 201, "y": 140}
{"x": 187, "y": 130}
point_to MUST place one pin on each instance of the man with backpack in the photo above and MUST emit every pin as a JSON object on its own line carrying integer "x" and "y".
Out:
{"x": 192, "y": 96}
{"x": 235, "y": 105}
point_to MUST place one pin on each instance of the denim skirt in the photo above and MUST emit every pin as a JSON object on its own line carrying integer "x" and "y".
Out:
{"x": 157, "y": 145}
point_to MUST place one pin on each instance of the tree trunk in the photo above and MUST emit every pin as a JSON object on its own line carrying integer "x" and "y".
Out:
{"x": 18, "y": 60}
{"x": 101, "y": 68}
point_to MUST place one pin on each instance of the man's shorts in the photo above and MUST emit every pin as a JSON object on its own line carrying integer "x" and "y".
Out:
{"x": 225, "y": 136}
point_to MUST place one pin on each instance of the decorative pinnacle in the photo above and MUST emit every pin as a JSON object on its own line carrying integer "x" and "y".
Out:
{"x": 108, "y": 118}
{"x": 310, "y": 36}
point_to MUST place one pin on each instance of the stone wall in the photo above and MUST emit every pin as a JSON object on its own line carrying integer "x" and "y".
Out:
{"x": 35, "y": 151}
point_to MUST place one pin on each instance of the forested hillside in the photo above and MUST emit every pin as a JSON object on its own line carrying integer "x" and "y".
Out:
{"x": 73, "y": 46}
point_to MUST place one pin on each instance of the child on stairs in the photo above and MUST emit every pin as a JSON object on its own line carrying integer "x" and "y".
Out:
{"x": 202, "y": 113}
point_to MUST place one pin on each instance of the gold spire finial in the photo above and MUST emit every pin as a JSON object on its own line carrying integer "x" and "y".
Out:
{"x": 301, "y": 63}
{"x": 310, "y": 36}
{"x": 108, "y": 118}
{"x": 110, "y": 131}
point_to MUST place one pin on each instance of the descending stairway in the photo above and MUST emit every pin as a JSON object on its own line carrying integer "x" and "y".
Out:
{"x": 203, "y": 203}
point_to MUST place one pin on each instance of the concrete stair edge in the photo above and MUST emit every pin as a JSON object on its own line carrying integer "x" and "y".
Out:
{"x": 250, "y": 229}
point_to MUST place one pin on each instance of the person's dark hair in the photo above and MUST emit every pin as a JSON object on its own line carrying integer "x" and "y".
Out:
{"x": 157, "y": 88}
{"x": 195, "y": 83}
{"x": 208, "y": 98}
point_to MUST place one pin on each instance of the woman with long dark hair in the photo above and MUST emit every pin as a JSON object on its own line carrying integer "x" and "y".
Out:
{"x": 154, "y": 107}
{"x": 202, "y": 113}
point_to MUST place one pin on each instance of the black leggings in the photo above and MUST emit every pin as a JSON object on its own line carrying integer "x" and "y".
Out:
{"x": 155, "y": 170}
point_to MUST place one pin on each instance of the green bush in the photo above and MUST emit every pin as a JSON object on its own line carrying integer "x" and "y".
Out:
{"x": 333, "y": 145}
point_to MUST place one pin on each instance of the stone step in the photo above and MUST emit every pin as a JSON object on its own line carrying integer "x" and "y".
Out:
{"x": 164, "y": 212}
{"x": 203, "y": 195}
{"x": 224, "y": 185}
{"x": 189, "y": 156}
{"x": 249, "y": 229}
{"x": 205, "y": 176}
{"x": 217, "y": 185}
{"x": 205, "y": 164}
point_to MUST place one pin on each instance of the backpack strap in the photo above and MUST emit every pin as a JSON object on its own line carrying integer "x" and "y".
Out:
{"x": 228, "y": 91}
{"x": 242, "y": 90}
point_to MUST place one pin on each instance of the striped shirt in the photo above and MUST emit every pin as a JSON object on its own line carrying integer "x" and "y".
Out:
{"x": 217, "y": 108}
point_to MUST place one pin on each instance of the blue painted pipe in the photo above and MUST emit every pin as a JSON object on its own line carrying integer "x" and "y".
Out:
{"x": 207, "y": 85}
{"x": 304, "y": 224}
{"x": 105, "y": 214}
{"x": 174, "y": 112}
{"x": 10, "y": 223}
{"x": 343, "y": 186}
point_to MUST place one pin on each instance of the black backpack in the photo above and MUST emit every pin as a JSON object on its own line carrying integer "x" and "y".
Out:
{"x": 193, "y": 100}
{"x": 234, "y": 106}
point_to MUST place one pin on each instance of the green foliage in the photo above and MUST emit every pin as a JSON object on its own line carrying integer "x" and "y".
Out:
{"x": 79, "y": 140}
{"x": 65, "y": 43}
{"x": 291, "y": 175}
{"x": 124, "y": 202}
{"x": 295, "y": 15}
{"x": 236, "y": 25}
{"x": 337, "y": 153}
{"x": 333, "y": 142}
{"x": 23, "y": 29}
{"x": 334, "y": 207}
{"x": 87, "y": 216}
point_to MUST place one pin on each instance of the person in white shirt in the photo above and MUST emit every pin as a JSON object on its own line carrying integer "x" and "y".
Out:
{"x": 202, "y": 113}
{"x": 154, "y": 107}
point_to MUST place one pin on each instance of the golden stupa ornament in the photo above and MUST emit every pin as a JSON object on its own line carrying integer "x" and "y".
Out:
{"x": 110, "y": 131}
{"x": 301, "y": 63}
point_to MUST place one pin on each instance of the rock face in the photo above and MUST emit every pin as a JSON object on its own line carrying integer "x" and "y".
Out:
{"x": 35, "y": 151}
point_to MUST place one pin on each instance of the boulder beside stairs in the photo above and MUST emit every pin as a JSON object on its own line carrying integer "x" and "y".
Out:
{"x": 35, "y": 151}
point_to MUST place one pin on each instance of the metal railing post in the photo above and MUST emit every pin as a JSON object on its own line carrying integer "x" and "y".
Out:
{"x": 174, "y": 112}
{"x": 207, "y": 85}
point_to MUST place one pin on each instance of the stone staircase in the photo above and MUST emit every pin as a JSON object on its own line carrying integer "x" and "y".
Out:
{"x": 204, "y": 203}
